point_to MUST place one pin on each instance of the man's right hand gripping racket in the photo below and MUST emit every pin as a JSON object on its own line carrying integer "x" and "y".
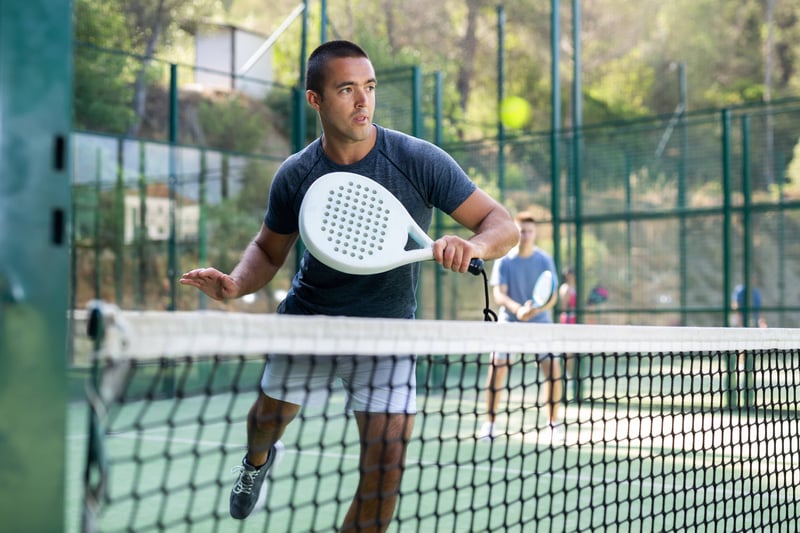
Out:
{"x": 354, "y": 225}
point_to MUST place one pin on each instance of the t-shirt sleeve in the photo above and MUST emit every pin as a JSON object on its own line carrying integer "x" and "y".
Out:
{"x": 498, "y": 274}
{"x": 280, "y": 216}
{"x": 451, "y": 186}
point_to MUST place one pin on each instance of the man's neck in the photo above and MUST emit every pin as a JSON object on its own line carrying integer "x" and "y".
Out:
{"x": 348, "y": 152}
{"x": 526, "y": 250}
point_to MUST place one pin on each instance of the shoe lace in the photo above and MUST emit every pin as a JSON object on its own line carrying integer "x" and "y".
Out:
{"x": 246, "y": 481}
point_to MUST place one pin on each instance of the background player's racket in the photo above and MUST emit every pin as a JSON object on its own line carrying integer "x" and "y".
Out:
{"x": 356, "y": 226}
{"x": 544, "y": 289}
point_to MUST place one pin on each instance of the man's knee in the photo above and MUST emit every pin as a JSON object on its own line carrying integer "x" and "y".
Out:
{"x": 268, "y": 412}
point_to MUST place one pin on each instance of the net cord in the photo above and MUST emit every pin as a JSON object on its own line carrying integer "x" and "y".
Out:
{"x": 157, "y": 334}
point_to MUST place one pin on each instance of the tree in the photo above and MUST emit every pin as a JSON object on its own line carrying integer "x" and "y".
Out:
{"x": 101, "y": 80}
{"x": 152, "y": 23}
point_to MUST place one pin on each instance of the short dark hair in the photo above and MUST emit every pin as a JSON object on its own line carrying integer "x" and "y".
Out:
{"x": 524, "y": 216}
{"x": 319, "y": 58}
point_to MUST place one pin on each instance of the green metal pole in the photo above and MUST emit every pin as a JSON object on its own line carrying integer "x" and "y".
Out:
{"x": 299, "y": 108}
{"x": 142, "y": 236}
{"x": 749, "y": 363}
{"x": 577, "y": 169}
{"x": 731, "y": 381}
{"x": 628, "y": 222}
{"x": 438, "y": 216}
{"x": 434, "y": 376}
{"x": 577, "y": 84}
{"x": 555, "y": 128}
{"x": 747, "y": 237}
{"x": 501, "y": 130}
{"x": 682, "y": 204}
{"x": 97, "y": 210}
{"x": 202, "y": 230}
{"x": 323, "y": 23}
{"x": 119, "y": 224}
{"x": 417, "y": 126}
{"x": 727, "y": 255}
{"x": 781, "y": 236}
{"x": 38, "y": 455}
{"x": 417, "y": 130}
{"x": 172, "y": 269}
{"x": 304, "y": 44}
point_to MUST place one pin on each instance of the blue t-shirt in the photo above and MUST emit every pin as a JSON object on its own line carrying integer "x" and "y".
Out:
{"x": 519, "y": 274}
{"x": 421, "y": 175}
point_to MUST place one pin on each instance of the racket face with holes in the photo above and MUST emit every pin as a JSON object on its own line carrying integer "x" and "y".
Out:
{"x": 354, "y": 225}
{"x": 543, "y": 289}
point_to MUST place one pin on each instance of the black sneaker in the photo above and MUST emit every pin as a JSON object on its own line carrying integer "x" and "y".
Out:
{"x": 244, "y": 494}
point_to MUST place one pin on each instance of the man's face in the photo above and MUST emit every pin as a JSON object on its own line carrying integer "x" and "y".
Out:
{"x": 527, "y": 233}
{"x": 347, "y": 104}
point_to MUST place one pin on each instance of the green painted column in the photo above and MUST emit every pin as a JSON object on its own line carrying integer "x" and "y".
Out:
{"x": 35, "y": 100}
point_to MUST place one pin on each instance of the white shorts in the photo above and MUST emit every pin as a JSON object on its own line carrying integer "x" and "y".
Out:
{"x": 385, "y": 384}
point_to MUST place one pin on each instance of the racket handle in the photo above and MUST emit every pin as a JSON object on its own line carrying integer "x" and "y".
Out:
{"x": 475, "y": 266}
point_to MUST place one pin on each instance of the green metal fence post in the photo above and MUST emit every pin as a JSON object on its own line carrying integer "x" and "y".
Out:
{"x": 577, "y": 169}
{"x": 36, "y": 94}
{"x": 501, "y": 130}
{"x": 438, "y": 217}
{"x": 555, "y": 128}
{"x": 682, "y": 186}
{"x": 119, "y": 224}
{"x": 202, "y": 233}
{"x": 172, "y": 269}
{"x": 731, "y": 377}
{"x": 749, "y": 286}
{"x": 97, "y": 209}
{"x": 142, "y": 236}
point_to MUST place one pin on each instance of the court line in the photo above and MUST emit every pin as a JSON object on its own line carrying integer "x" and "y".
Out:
{"x": 508, "y": 472}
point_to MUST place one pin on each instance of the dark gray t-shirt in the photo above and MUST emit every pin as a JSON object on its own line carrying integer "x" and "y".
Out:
{"x": 421, "y": 175}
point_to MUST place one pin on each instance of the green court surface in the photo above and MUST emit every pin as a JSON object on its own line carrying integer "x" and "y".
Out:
{"x": 618, "y": 467}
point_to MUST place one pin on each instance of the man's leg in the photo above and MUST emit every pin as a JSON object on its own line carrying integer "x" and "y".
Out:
{"x": 266, "y": 422}
{"x": 495, "y": 381}
{"x": 384, "y": 439}
{"x": 552, "y": 386}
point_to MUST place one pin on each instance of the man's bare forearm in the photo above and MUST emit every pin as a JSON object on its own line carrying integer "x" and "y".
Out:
{"x": 254, "y": 270}
{"x": 496, "y": 234}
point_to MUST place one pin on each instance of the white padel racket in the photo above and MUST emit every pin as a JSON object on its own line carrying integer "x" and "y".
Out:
{"x": 543, "y": 289}
{"x": 354, "y": 225}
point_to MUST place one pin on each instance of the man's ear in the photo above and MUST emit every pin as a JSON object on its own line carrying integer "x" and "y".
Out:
{"x": 313, "y": 99}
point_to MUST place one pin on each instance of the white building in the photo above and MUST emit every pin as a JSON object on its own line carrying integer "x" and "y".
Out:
{"x": 226, "y": 50}
{"x": 157, "y": 215}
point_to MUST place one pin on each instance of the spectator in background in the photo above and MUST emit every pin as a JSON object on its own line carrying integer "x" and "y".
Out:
{"x": 568, "y": 297}
{"x": 751, "y": 309}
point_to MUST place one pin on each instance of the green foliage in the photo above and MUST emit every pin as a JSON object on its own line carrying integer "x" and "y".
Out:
{"x": 624, "y": 87}
{"x": 232, "y": 123}
{"x": 230, "y": 230}
{"x": 101, "y": 80}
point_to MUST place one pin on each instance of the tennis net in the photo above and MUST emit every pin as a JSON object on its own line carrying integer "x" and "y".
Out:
{"x": 659, "y": 428}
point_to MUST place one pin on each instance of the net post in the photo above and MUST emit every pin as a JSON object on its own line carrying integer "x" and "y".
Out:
{"x": 35, "y": 212}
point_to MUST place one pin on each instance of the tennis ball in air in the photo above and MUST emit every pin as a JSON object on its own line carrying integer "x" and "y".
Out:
{"x": 515, "y": 112}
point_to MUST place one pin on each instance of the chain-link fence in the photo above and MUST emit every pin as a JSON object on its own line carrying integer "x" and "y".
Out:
{"x": 666, "y": 214}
